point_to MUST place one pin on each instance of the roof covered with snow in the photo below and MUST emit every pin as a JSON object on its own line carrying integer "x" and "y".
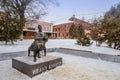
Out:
{"x": 62, "y": 21}
{"x": 71, "y": 20}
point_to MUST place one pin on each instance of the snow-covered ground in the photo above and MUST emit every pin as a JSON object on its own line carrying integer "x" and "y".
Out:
{"x": 73, "y": 68}
{"x": 57, "y": 43}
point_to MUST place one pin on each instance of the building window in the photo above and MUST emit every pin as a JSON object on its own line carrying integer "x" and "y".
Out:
{"x": 55, "y": 29}
{"x": 64, "y": 28}
{"x": 44, "y": 28}
{"x": 32, "y": 25}
{"x": 49, "y": 28}
{"x": 58, "y": 29}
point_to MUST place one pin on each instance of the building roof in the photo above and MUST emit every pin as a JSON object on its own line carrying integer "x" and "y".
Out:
{"x": 28, "y": 30}
{"x": 78, "y": 20}
{"x": 62, "y": 21}
{"x": 72, "y": 20}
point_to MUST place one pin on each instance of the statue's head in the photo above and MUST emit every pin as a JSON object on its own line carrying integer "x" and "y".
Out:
{"x": 39, "y": 28}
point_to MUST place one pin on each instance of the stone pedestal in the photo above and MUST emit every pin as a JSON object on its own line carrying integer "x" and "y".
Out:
{"x": 30, "y": 68}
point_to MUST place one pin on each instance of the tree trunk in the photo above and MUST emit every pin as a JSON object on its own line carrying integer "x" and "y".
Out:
{"x": 5, "y": 42}
{"x": 22, "y": 17}
{"x": 12, "y": 42}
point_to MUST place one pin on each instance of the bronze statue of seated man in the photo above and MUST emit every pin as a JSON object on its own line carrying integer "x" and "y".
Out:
{"x": 38, "y": 45}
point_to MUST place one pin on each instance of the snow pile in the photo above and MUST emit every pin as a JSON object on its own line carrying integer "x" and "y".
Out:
{"x": 73, "y": 68}
{"x": 58, "y": 43}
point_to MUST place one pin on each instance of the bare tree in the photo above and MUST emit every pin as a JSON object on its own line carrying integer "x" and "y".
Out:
{"x": 25, "y": 8}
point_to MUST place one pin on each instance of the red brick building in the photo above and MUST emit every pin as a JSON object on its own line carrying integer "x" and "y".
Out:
{"x": 31, "y": 26}
{"x": 62, "y": 29}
